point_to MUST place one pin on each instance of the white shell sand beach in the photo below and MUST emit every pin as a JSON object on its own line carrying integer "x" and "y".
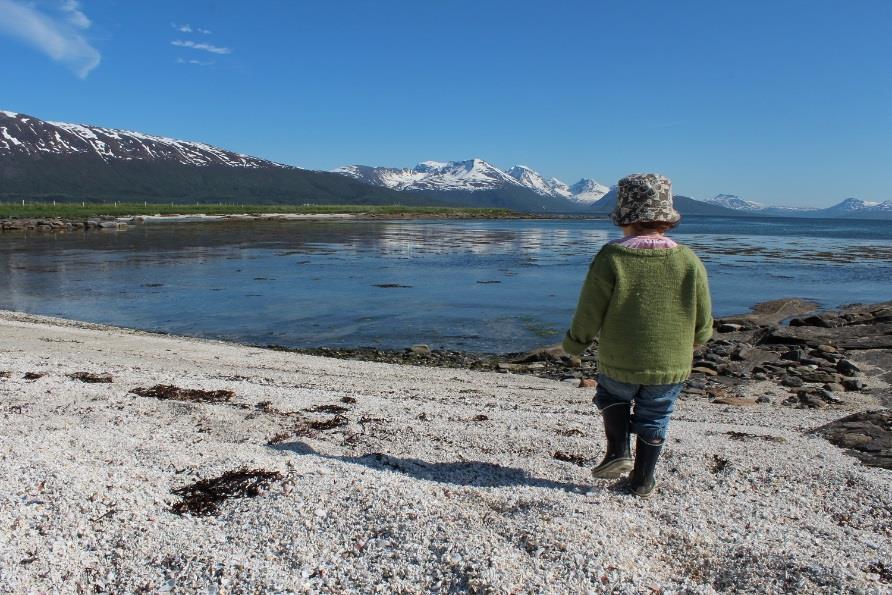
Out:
{"x": 431, "y": 480}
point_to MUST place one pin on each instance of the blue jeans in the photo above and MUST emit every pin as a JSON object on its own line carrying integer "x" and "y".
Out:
{"x": 653, "y": 404}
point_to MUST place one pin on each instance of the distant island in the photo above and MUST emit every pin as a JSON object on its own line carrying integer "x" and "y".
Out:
{"x": 46, "y": 161}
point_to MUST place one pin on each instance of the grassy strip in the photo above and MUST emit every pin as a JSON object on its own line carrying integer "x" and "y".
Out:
{"x": 77, "y": 211}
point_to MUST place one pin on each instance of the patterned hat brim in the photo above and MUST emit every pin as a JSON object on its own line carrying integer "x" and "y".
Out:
{"x": 633, "y": 217}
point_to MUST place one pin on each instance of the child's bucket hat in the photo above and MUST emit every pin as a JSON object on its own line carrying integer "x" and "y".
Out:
{"x": 642, "y": 198}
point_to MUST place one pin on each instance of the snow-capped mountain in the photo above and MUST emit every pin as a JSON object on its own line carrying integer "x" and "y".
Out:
{"x": 27, "y": 135}
{"x": 473, "y": 175}
{"x": 848, "y": 208}
{"x": 856, "y": 205}
{"x": 535, "y": 182}
{"x": 588, "y": 191}
{"x": 730, "y": 201}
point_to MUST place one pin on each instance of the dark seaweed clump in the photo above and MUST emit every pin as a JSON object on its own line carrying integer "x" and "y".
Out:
{"x": 569, "y": 458}
{"x": 91, "y": 378}
{"x": 169, "y": 392}
{"x": 203, "y": 498}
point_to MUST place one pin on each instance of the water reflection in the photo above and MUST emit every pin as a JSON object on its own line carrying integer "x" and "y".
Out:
{"x": 476, "y": 285}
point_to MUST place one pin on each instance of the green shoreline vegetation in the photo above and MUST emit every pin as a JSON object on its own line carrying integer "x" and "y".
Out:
{"x": 123, "y": 209}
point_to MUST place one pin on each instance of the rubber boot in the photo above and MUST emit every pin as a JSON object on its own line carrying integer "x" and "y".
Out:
{"x": 618, "y": 459}
{"x": 642, "y": 481}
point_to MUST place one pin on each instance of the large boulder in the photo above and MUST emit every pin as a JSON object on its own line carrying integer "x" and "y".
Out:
{"x": 868, "y": 435}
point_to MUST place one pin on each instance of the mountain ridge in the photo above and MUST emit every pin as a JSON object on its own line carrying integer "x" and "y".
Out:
{"x": 46, "y": 160}
{"x": 848, "y": 208}
{"x": 42, "y": 160}
{"x": 473, "y": 175}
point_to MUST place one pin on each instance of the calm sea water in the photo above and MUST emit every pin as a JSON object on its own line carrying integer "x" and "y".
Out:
{"x": 490, "y": 286}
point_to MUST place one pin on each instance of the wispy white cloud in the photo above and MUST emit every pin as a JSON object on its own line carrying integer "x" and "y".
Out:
{"x": 200, "y": 46}
{"x": 58, "y": 33}
{"x": 195, "y": 62}
{"x": 72, "y": 10}
{"x": 187, "y": 28}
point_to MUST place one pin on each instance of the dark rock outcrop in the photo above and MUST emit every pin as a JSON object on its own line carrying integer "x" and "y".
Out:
{"x": 867, "y": 434}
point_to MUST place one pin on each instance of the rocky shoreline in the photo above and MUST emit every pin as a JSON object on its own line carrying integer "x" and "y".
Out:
{"x": 804, "y": 354}
{"x": 58, "y": 224}
{"x": 61, "y": 224}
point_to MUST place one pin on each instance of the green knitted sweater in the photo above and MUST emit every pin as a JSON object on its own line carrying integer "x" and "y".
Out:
{"x": 650, "y": 306}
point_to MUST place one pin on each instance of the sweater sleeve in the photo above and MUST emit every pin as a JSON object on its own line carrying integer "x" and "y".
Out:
{"x": 593, "y": 301}
{"x": 703, "y": 329}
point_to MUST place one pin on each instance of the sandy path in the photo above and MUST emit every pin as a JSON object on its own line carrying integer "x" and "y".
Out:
{"x": 450, "y": 503}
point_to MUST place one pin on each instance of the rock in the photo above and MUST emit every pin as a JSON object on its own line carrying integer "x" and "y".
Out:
{"x": 876, "y": 336}
{"x": 828, "y": 396}
{"x": 825, "y": 357}
{"x": 754, "y": 356}
{"x": 847, "y": 368}
{"x": 810, "y": 361}
{"x": 868, "y": 434}
{"x": 545, "y": 354}
{"x": 727, "y": 370}
{"x": 763, "y": 399}
{"x": 827, "y": 348}
{"x": 853, "y": 384}
{"x": 824, "y": 320}
{"x": 506, "y": 367}
{"x": 792, "y": 381}
{"x": 735, "y": 401}
{"x": 774, "y": 311}
{"x": 760, "y": 376}
{"x": 820, "y": 377}
{"x": 702, "y": 370}
{"x": 729, "y": 327}
{"x": 588, "y": 383}
{"x": 706, "y": 364}
{"x": 420, "y": 349}
{"x": 811, "y": 400}
{"x": 834, "y": 387}
{"x": 876, "y": 341}
{"x": 793, "y": 355}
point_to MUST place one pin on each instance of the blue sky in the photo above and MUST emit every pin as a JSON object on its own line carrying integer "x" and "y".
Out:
{"x": 782, "y": 101}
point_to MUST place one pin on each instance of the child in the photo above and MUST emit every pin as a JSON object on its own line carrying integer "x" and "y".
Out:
{"x": 648, "y": 299}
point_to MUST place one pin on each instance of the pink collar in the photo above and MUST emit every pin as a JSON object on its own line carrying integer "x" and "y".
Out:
{"x": 648, "y": 242}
